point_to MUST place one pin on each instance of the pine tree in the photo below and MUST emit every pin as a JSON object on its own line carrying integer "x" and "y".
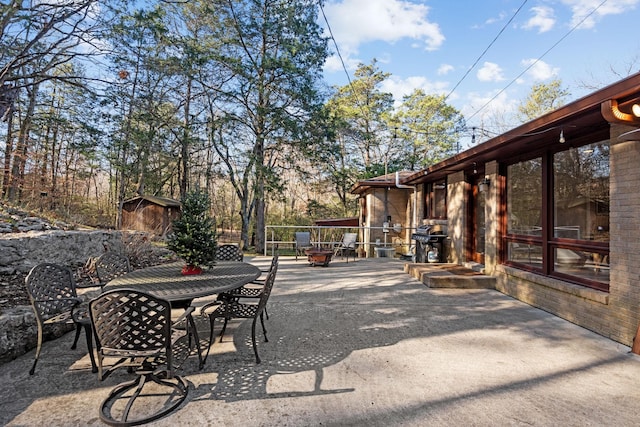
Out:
{"x": 193, "y": 237}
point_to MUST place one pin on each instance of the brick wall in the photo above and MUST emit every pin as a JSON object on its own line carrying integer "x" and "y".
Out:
{"x": 616, "y": 314}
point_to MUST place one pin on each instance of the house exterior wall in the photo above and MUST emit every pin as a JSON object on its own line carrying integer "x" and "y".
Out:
{"x": 492, "y": 217}
{"x": 398, "y": 207}
{"x": 456, "y": 218}
{"x": 615, "y": 314}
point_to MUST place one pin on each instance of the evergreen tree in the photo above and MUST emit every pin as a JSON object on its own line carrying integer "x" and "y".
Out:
{"x": 193, "y": 237}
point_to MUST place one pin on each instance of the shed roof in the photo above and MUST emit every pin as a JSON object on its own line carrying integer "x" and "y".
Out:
{"x": 161, "y": 201}
{"x": 338, "y": 222}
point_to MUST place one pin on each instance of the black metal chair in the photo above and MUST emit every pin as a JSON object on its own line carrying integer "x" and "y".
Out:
{"x": 111, "y": 265}
{"x": 136, "y": 328}
{"x": 54, "y": 299}
{"x": 253, "y": 289}
{"x": 238, "y": 309}
{"x": 229, "y": 252}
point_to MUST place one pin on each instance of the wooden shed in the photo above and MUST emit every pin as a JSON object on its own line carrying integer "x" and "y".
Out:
{"x": 149, "y": 213}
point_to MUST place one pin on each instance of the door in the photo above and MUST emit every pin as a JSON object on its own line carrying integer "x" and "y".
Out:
{"x": 476, "y": 230}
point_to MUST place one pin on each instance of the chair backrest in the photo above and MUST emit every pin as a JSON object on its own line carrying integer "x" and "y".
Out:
{"x": 349, "y": 240}
{"x": 268, "y": 286}
{"x": 274, "y": 260}
{"x": 111, "y": 265}
{"x": 303, "y": 238}
{"x": 51, "y": 289}
{"x": 130, "y": 323}
{"x": 229, "y": 252}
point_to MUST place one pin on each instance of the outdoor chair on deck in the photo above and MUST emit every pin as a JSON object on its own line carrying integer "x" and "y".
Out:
{"x": 54, "y": 299}
{"x": 252, "y": 289}
{"x": 111, "y": 265}
{"x": 229, "y": 252}
{"x": 348, "y": 245}
{"x": 239, "y": 309}
{"x": 303, "y": 242}
{"x": 136, "y": 328}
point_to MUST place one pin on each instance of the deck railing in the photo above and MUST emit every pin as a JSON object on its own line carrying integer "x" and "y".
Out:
{"x": 326, "y": 236}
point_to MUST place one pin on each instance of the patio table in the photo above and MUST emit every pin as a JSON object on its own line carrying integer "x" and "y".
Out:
{"x": 167, "y": 282}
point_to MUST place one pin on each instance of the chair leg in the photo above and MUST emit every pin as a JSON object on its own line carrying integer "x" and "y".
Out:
{"x": 124, "y": 395}
{"x": 38, "y": 349}
{"x": 88, "y": 332}
{"x": 224, "y": 328}
{"x": 211, "y": 328}
{"x": 75, "y": 341}
{"x": 264, "y": 330}
{"x": 191, "y": 324}
{"x": 253, "y": 339}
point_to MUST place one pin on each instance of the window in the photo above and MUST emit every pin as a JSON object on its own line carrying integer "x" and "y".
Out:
{"x": 563, "y": 232}
{"x": 436, "y": 200}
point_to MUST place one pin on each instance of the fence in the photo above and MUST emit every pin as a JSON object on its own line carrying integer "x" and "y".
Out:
{"x": 325, "y": 236}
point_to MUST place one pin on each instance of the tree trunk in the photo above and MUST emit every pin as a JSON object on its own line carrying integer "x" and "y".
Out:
{"x": 20, "y": 156}
{"x": 8, "y": 156}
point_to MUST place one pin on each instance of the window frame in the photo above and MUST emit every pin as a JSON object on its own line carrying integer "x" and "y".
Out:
{"x": 430, "y": 199}
{"x": 547, "y": 240}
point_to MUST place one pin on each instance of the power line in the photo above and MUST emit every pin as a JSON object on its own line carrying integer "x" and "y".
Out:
{"x": 344, "y": 67}
{"x": 539, "y": 58}
{"x": 485, "y": 51}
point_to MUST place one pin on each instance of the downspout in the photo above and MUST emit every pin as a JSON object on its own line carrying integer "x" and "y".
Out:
{"x": 415, "y": 198}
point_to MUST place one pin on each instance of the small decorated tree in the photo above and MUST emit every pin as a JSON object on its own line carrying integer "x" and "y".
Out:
{"x": 193, "y": 237}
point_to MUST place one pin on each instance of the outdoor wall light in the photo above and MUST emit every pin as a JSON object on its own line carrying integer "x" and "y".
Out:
{"x": 635, "y": 109}
{"x": 483, "y": 186}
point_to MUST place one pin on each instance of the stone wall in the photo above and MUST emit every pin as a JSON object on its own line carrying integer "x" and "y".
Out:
{"x": 19, "y": 252}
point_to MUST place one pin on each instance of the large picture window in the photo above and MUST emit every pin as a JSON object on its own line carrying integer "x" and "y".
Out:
{"x": 563, "y": 232}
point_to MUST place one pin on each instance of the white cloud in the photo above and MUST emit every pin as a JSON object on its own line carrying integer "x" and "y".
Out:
{"x": 355, "y": 22}
{"x": 493, "y": 111}
{"x": 543, "y": 19}
{"x": 582, "y": 10}
{"x": 540, "y": 70}
{"x": 402, "y": 87}
{"x": 490, "y": 72}
{"x": 445, "y": 69}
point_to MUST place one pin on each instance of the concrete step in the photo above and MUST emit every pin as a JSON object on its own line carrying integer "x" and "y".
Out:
{"x": 450, "y": 276}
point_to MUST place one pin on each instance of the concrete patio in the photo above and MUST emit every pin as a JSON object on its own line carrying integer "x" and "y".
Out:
{"x": 365, "y": 344}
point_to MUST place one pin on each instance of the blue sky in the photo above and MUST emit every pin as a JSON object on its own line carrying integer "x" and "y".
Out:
{"x": 433, "y": 44}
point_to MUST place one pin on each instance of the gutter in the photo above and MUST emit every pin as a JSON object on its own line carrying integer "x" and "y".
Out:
{"x": 415, "y": 198}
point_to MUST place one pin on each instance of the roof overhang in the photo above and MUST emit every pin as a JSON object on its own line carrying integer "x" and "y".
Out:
{"x": 384, "y": 181}
{"x": 579, "y": 121}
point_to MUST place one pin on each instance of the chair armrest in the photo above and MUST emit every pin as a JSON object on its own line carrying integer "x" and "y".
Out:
{"x": 187, "y": 313}
{"x": 216, "y": 303}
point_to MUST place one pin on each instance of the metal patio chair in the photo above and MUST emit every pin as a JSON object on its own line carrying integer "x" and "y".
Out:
{"x": 54, "y": 299}
{"x": 136, "y": 328}
{"x": 252, "y": 289}
{"x": 229, "y": 252}
{"x": 239, "y": 309}
{"x": 348, "y": 245}
{"x": 111, "y": 265}
{"x": 303, "y": 242}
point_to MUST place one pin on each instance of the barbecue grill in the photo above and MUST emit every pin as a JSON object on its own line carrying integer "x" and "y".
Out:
{"x": 426, "y": 242}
